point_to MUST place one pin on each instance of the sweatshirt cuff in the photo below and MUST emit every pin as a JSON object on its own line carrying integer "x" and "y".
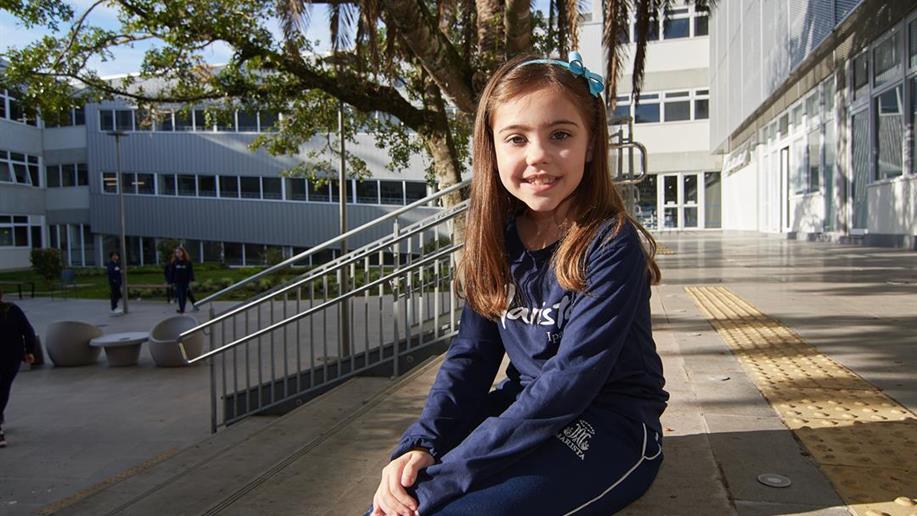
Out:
{"x": 409, "y": 443}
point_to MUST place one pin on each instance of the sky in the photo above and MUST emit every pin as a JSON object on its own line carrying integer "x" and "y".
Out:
{"x": 128, "y": 59}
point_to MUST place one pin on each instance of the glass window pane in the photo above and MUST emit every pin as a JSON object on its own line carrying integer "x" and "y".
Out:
{"x": 690, "y": 189}
{"x": 6, "y": 175}
{"x": 367, "y": 192}
{"x": 860, "y": 75}
{"x": 145, "y": 184}
{"x": 21, "y": 236}
{"x": 200, "y": 121}
{"x": 52, "y": 175}
{"x": 414, "y": 191}
{"x": 68, "y": 175}
{"x": 164, "y": 121}
{"x": 646, "y": 113}
{"x": 621, "y": 112}
{"x": 248, "y": 121}
{"x": 213, "y": 252}
{"x": 677, "y": 111}
{"x": 712, "y": 200}
{"x": 814, "y": 158}
{"x": 167, "y": 184}
{"x": 229, "y": 186}
{"x": 912, "y": 42}
{"x": 653, "y": 33}
{"x": 129, "y": 182}
{"x": 296, "y": 189}
{"x": 79, "y": 116}
{"x": 232, "y": 253}
{"x": 207, "y": 186}
{"x": 890, "y": 133}
{"x": 106, "y": 120}
{"x": 319, "y": 193}
{"x": 670, "y": 218}
{"x": 271, "y": 187}
{"x": 828, "y": 95}
{"x": 6, "y": 236}
{"x": 645, "y": 209}
{"x": 82, "y": 174}
{"x": 676, "y": 28}
{"x": 690, "y": 216}
{"x": 887, "y": 60}
{"x": 392, "y": 192}
{"x": 268, "y": 120}
{"x": 254, "y": 254}
{"x": 183, "y": 121}
{"x": 33, "y": 175}
{"x": 783, "y": 125}
{"x": 144, "y": 120}
{"x": 187, "y": 185}
{"x": 124, "y": 119}
{"x": 226, "y": 121}
{"x": 250, "y": 187}
{"x": 700, "y": 25}
{"x": 670, "y": 190}
{"x": 861, "y": 153}
{"x": 109, "y": 182}
{"x": 38, "y": 244}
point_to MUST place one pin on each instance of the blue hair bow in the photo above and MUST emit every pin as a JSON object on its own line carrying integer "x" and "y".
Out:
{"x": 576, "y": 67}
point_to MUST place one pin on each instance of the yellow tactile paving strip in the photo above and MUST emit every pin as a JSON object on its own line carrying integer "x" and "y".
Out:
{"x": 661, "y": 249}
{"x": 864, "y": 441}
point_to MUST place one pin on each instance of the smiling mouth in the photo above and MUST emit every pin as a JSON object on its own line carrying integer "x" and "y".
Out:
{"x": 541, "y": 180}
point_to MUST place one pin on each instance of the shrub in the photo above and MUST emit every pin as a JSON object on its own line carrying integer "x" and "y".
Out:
{"x": 47, "y": 263}
{"x": 166, "y": 247}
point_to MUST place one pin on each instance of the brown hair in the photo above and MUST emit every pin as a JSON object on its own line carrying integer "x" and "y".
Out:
{"x": 484, "y": 272}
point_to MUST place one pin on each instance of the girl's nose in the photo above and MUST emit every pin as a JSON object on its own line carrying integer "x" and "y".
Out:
{"x": 536, "y": 152}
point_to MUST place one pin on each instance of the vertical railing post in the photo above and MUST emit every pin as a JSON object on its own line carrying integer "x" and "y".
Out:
{"x": 213, "y": 377}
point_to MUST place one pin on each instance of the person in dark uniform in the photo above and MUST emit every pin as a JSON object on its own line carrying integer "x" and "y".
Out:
{"x": 114, "y": 280}
{"x": 17, "y": 344}
{"x": 182, "y": 276}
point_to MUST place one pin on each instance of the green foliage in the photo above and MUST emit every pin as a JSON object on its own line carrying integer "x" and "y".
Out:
{"x": 273, "y": 256}
{"x": 47, "y": 263}
{"x": 166, "y": 248}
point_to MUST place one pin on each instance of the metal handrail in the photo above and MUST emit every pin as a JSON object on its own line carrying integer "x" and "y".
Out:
{"x": 343, "y": 297}
{"x": 644, "y": 161}
{"x": 338, "y": 263}
{"x": 339, "y": 238}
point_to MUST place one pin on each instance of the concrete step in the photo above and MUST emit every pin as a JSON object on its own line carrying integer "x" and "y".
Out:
{"x": 204, "y": 477}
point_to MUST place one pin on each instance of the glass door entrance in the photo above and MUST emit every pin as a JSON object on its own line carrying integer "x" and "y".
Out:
{"x": 680, "y": 199}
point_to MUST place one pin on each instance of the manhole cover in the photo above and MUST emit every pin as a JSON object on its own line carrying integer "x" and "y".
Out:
{"x": 774, "y": 480}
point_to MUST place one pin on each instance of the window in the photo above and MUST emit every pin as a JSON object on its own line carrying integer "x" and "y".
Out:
{"x": 183, "y": 121}
{"x": 229, "y": 186}
{"x": 887, "y": 60}
{"x": 144, "y": 120}
{"x": 207, "y": 186}
{"x": 647, "y": 111}
{"x": 272, "y": 188}
{"x": 677, "y": 106}
{"x": 129, "y": 182}
{"x": 414, "y": 191}
{"x": 912, "y": 43}
{"x": 622, "y": 110}
{"x": 106, "y": 120}
{"x": 79, "y": 116}
{"x": 145, "y": 184}
{"x": 800, "y": 166}
{"x": 860, "y": 76}
{"x": 163, "y": 121}
{"x": 700, "y": 25}
{"x": 702, "y": 104}
{"x": 652, "y": 34}
{"x": 15, "y": 231}
{"x": 783, "y": 126}
{"x": 124, "y": 120}
{"x": 812, "y": 104}
{"x": 828, "y": 95}
{"x": 250, "y": 187}
{"x": 391, "y": 192}
{"x": 319, "y": 193}
{"x": 796, "y": 116}
{"x": 68, "y": 175}
{"x": 52, "y": 176}
{"x": 914, "y": 123}
{"x": 254, "y": 254}
{"x": 226, "y": 121}
{"x": 367, "y": 192}
{"x": 16, "y": 167}
{"x": 814, "y": 158}
{"x": 82, "y": 174}
{"x": 712, "y": 200}
{"x": 200, "y": 121}
{"x": 296, "y": 189}
{"x": 2, "y": 103}
{"x": 187, "y": 185}
{"x": 890, "y": 133}
{"x": 677, "y": 24}
{"x": 167, "y": 184}
{"x": 267, "y": 120}
{"x": 109, "y": 182}
{"x": 248, "y": 121}
{"x": 232, "y": 253}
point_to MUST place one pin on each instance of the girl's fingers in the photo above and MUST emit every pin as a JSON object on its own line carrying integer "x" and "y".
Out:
{"x": 409, "y": 474}
{"x": 398, "y": 498}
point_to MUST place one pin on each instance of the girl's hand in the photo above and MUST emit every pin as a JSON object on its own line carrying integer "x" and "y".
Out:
{"x": 391, "y": 497}
{"x": 29, "y": 358}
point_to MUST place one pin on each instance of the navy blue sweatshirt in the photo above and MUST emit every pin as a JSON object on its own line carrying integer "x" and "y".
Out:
{"x": 182, "y": 272}
{"x": 16, "y": 334}
{"x": 569, "y": 351}
{"x": 114, "y": 273}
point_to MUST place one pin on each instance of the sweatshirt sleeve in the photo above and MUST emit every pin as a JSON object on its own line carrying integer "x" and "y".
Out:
{"x": 596, "y": 331}
{"x": 25, "y": 329}
{"x": 460, "y": 388}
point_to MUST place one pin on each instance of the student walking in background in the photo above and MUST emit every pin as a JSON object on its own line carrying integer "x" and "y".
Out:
{"x": 182, "y": 276}
{"x": 17, "y": 344}
{"x": 114, "y": 280}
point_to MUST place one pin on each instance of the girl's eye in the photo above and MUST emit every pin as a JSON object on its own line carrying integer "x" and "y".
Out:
{"x": 560, "y": 135}
{"x": 516, "y": 140}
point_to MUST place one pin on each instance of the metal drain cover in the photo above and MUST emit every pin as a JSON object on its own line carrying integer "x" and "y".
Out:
{"x": 774, "y": 480}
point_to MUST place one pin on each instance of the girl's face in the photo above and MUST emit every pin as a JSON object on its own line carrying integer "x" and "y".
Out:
{"x": 178, "y": 254}
{"x": 542, "y": 144}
